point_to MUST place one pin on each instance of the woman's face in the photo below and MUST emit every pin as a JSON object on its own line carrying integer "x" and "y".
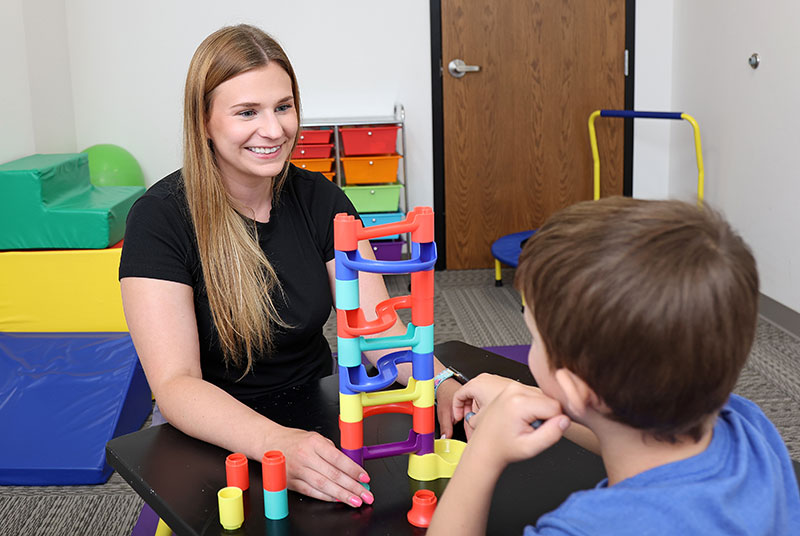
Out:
{"x": 252, "y": 124}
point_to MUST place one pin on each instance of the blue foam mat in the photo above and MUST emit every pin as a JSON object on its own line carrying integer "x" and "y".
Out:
{"x": 62, "y": 397}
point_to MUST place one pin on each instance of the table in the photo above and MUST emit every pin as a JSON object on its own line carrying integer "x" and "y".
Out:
{"x": 179, "y": 476}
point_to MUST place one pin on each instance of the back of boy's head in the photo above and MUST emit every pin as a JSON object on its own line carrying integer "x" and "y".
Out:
{"x": 652, "y": 303}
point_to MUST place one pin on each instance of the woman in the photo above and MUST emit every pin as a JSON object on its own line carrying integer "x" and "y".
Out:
{"x": 227, "y": 268}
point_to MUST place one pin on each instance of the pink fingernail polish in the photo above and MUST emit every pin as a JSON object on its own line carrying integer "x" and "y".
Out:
{"x": 368, "y": 498}
{"x": 363, "y": 477}
{"x": 355, "y": 501}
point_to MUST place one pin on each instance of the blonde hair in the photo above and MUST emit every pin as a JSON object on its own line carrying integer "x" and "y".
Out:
{"x": 240, "y": 281}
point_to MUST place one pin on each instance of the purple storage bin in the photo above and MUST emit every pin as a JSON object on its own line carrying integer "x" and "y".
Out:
{"x": 388, "y": 250}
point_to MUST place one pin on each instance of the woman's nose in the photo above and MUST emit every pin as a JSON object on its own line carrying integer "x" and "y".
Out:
{"x": 269, "y": 126}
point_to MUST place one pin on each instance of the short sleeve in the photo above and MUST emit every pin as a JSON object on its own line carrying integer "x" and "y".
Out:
{"x": 328, "y": 201}
{"x": 158, "y": 242}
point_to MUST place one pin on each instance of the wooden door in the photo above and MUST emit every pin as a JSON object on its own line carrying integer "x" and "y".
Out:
{"x": 516, "y": 142}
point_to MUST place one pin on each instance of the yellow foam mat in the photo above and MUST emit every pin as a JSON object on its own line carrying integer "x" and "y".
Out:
{"x": 61, "y": 290}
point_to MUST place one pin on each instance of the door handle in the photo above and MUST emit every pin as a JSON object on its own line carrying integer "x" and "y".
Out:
{"x": 457, "y": 68}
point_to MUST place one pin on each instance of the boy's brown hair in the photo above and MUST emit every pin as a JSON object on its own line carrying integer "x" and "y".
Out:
{"x": 652, "y": 303}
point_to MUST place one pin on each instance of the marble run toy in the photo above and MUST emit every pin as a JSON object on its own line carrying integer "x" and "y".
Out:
{"x": 361, "y": 395}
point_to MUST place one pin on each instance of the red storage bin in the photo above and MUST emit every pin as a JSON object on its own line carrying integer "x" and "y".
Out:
{"x": 314, "y": 136}
{"x": 312, "y": 151}
{"x": 369, "y": 140}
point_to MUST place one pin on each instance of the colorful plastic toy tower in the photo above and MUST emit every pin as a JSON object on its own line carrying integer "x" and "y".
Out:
{"x": 360, "y": 395}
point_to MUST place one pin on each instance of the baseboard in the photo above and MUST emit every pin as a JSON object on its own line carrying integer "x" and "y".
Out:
{"x": 779, "y": 314}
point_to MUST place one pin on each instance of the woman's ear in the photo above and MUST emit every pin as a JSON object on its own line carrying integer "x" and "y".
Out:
{"x": 578, "y": 396}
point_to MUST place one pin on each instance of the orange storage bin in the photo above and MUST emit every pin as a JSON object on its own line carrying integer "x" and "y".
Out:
{"x": 312, "y": 151}
{"x": 315, "y": 164}
{"x": 369, "y": 140}
{"x": 330, "y": 175}
{"x": 314, "y": 136}
{"x": 370, "y": 169}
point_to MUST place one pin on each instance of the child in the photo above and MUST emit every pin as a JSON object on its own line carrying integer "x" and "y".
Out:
{"x": 642, "y": 315}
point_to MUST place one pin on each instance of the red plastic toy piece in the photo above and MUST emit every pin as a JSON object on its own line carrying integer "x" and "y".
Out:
{"x": 424, "y": 420}
{"x": 423, "y": 221}
{"x": 345, "y": 232}
{"x": 273, "y": 470}
{"x": 354, "y": 323}
{"x": 395, "y": 407}
{"x": 422, "y": 506}
{"x": 236, "y": 471}
{"x": 351, "y": 434}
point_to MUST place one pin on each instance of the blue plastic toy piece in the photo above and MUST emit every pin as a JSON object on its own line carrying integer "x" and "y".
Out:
{"x": 357, "y": 380}
{"x": 423, "y": 257}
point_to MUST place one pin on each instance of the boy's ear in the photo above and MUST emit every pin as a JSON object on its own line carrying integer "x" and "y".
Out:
{"x": 578, "y": 396}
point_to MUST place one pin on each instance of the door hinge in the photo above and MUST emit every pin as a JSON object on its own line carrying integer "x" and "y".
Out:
{"x": 626, "y": 62}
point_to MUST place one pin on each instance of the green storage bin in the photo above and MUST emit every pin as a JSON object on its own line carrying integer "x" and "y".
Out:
{"x": 384, "y": 198}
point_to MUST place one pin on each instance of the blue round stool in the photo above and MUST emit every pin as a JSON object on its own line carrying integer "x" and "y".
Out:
{"x": 506, "y": 250}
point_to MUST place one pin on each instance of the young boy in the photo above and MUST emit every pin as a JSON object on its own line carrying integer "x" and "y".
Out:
{"x": 642, "y": 315}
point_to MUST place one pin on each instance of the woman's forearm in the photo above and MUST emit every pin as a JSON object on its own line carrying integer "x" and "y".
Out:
{"x": 206, "y": 412}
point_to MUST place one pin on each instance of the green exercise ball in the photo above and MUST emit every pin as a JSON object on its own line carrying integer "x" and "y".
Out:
{"x": 111, "y": 165}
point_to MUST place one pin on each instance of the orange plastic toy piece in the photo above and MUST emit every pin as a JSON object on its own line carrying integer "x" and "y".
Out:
{"x": 422, "y": 506}
{"x": 354, "y": 323}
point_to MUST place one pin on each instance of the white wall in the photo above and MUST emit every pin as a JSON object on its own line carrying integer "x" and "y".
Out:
{"x": 16, "y": 120}
{"x": 355, "y": 58}
{"x": 748, "y": 122}
{"x": 91, "y": 71}
{"x": 652, "y": 92}
{"x": 49, "y": 74}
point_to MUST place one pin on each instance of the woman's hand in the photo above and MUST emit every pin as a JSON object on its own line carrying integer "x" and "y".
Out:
{"x": 445, "y": 394}
{"x": 475, "y": 394}
{"x": 315, "y": 467}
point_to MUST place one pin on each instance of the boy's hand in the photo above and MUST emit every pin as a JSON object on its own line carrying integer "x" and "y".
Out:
{"x": 502, "y": 431}
{"x": 475, "y": 394}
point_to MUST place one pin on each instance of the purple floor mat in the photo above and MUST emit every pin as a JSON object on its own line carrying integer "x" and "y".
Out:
{"x": 517, "y": 352}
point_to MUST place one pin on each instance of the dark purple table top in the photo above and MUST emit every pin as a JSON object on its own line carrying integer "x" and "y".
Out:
{"x": 179, "y": 476}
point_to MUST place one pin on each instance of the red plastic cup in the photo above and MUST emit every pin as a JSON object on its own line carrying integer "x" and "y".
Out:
{"x": 236, "y": 471}
{"x": 273, "y": 470}
{"x": 422, "y": 506}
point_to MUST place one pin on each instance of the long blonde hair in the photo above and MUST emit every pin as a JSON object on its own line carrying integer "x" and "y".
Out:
{"x": 240, "y": 281}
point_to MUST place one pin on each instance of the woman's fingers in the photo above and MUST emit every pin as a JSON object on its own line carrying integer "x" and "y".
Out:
{"x": 320, "y": 470}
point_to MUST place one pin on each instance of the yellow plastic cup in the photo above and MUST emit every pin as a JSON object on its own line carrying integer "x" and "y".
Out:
{"x": 231, "y": 508}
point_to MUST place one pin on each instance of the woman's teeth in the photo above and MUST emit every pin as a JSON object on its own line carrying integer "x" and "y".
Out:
{"x": 263, "y": 150}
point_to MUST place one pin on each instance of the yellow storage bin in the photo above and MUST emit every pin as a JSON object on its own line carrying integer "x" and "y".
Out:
{"x": 370, "y": 169}
{"x": 61, "y": 290}
{"x": 314, "y": 164}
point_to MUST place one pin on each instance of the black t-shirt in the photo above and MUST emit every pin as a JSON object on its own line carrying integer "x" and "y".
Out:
{"x": 160, "y": 243}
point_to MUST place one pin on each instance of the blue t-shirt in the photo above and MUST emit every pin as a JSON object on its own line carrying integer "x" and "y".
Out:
{"x": 743, "y": 483}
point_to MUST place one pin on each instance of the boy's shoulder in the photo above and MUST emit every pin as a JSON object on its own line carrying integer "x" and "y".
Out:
{"x": 726, "y": 485}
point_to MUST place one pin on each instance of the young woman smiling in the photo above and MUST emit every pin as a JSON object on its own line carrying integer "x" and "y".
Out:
{"x": 227, "y": 268}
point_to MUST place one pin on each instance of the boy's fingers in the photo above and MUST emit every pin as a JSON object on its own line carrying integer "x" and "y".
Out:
{"x": 547, "y": 435}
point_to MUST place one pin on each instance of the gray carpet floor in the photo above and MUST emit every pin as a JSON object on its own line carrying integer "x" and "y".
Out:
{"x": 468, "y": 307}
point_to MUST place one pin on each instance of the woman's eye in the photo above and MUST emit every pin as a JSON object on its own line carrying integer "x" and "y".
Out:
{"x": 283, "y": 107}
{"x": 247, "y": 113}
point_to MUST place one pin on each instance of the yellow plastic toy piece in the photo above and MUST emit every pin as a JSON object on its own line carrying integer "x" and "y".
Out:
{"x": 351, "y": 408}
{"x": 61, "y": 290}
{"x": 415, "y": 390}
{"x": 162, "y": 529}
{"x": 231, "y": 507}
{"x": 426, "y": 394}
{"x": 441, "y": 463}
